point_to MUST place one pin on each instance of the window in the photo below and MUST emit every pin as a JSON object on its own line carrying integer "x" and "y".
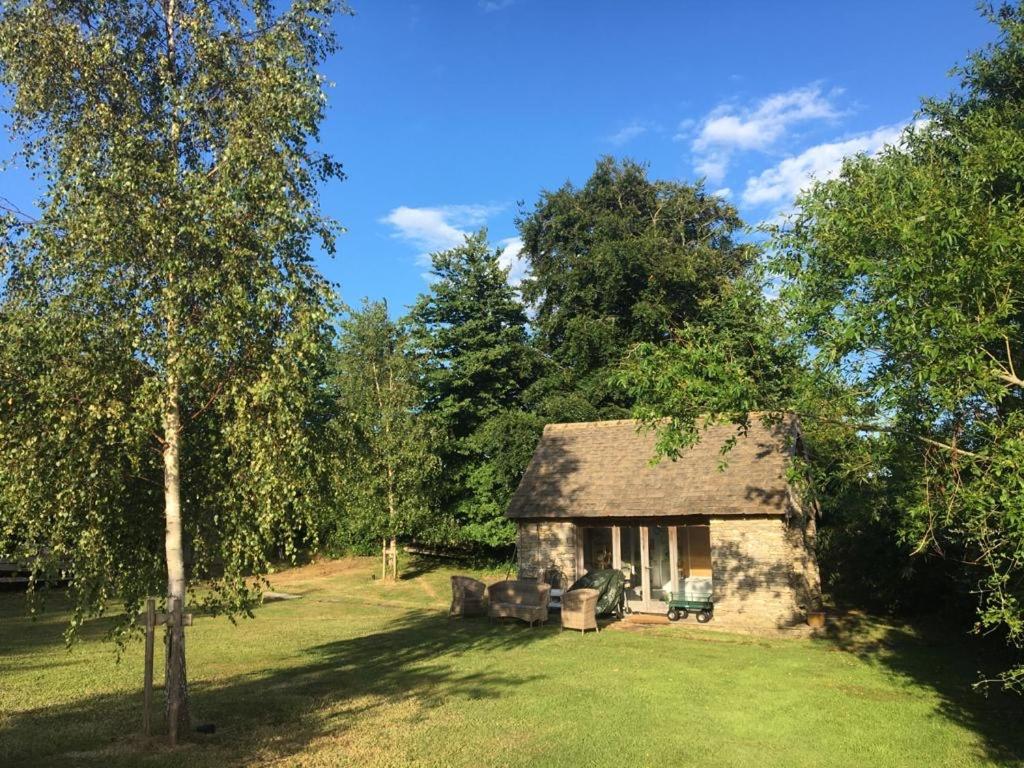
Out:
{"x": 694, "y": 544}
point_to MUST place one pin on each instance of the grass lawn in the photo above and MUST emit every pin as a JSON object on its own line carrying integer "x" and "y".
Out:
{"x": 360, "y": 673}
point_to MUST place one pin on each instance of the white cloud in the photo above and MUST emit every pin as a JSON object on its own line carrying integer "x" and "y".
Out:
{"x": 727, "y": 128}
{"x": 713, "y": 167}
{"x": 489, "y": 6}
{"x": 627, "y": 133}
{"x": 723, "y": 192}
{"x": 437, "y": 229}
{"x": 517, "y": 267}
{"x": 781, "y": 183}
{"x": 684, "y": 130}
{"x": 762, "y": 126}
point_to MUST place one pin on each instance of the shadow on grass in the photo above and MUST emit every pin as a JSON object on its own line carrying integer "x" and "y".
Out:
{"x": 421, "y": 564}
{"x": 267, "y": 716}
{"x": 25, "y": 633}
{"x": 419, "y": 659}
{"x": 937, "y": 656}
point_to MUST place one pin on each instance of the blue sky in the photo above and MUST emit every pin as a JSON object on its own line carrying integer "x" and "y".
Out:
{"x": 447, "y": 114}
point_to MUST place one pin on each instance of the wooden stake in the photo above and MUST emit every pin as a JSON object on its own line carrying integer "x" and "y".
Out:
{"x": 147, "y": 684}
{"x": 152, "y": 620}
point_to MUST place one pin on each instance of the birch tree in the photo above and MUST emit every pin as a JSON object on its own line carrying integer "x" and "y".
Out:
{"x": 387, "y": 469}
{"x": 163, "y": 326}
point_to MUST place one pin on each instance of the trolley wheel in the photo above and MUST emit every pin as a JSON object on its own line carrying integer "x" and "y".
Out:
{"x": 673, "y": 614}
{"x": 704, "y": 616}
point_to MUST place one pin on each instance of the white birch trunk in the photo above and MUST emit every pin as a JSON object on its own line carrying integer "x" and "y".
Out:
{"x": 392, "y": 547}
{"x": 176, "y": 683}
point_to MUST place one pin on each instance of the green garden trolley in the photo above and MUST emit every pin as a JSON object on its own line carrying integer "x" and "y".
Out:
{"x": 681, "y": 605}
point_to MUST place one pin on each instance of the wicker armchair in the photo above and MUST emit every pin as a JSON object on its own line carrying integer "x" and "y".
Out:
{"x": 467, "y": 597}
{"x": 579, "y": 610}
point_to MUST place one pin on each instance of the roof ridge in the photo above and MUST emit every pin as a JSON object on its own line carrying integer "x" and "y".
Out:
{"x": 572, "y": 425}
{"x": 568, "y": 425}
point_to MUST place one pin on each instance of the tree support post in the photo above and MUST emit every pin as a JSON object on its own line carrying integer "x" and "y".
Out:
{"x": 175, "y": 621}
{"x": 147, "y": 685}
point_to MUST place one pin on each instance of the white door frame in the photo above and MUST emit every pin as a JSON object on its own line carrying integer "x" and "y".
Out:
{"x": 645, "y": 565}
{"x": 646, "y": 603}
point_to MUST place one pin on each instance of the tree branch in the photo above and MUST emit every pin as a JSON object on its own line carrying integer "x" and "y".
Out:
{"x": 7, "y": 205}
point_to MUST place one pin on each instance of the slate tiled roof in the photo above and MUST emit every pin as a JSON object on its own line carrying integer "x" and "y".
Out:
{"x": 603, "y": 469}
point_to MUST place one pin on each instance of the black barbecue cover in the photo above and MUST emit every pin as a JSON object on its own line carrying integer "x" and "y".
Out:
{"x": 609, "y": 583}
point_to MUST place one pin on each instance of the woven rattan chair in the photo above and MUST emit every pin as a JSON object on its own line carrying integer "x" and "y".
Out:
{"x": 579, "y": 609}
{"x": 467, "y": 597}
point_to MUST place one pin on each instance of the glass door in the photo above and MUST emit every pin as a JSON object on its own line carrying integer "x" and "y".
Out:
{"x": 656, "y": 560}
{"x": 632, "y": 565}
{"x": 659, "y": 565}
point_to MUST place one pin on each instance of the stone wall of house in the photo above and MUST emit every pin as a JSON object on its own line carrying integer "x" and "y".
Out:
{"x": 763, "y": 568}
{"x": 764, "y": 571}
{"x": 542, "y": 545}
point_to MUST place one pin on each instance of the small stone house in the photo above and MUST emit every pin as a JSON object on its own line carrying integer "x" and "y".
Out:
{"x": 591, "y": 498}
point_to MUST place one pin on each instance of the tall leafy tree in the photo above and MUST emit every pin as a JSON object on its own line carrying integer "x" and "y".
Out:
{"x": 621, "y": 260}
{"x": 739, "y": 360}
{"x": 902, "y": 278}
{"x": 907, "y": 273}
{"x": 733, "y": 360}
{"x": 387, "y": 469}
{"x": 471, "y": 328}
{"x": 163, "y": 326}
